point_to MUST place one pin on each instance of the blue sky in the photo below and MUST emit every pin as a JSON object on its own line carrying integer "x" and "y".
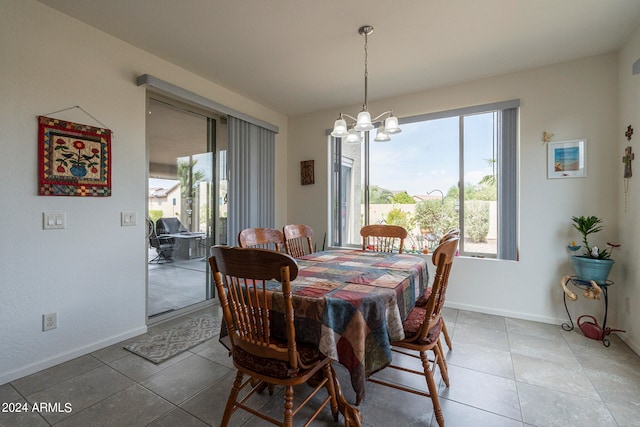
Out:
{"x": 424, "y": 156}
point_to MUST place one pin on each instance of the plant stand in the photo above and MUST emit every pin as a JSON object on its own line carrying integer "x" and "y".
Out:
{"x": 583, "y": 286}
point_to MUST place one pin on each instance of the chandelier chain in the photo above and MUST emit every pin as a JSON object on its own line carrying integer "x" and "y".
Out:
{"x": 366, "y": 70}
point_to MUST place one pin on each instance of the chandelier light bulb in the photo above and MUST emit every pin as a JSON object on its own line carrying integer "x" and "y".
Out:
{"x": 340, "y": 129}
{"x": 354, "y": 137}
{"x": 382, "y": 135}
{"x": 364, "y": 122}
{"x": 391, "y": 125}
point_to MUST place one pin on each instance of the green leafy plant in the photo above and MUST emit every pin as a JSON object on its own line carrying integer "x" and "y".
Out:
{"x": 587, "y": 225}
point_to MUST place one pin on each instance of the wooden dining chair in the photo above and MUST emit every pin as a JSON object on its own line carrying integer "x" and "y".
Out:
{"x": 241, "y": 277}
{"x": 383, "y": 237}
{"x": 297, "y": 240}
{"x": 263, "y": 238}
{"x": 454, "y": 232}
{"x": 422, "y": 329}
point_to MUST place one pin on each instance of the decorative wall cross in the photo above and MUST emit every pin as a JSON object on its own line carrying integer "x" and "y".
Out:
{"x": 626, "y": 159}
{"x": 629, "y": 132}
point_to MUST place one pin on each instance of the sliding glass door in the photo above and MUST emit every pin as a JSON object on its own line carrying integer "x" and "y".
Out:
{"x": 181, "y": 145}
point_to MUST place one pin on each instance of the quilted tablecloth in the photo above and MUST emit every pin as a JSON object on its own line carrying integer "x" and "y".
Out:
{"x": 351, "y": 304}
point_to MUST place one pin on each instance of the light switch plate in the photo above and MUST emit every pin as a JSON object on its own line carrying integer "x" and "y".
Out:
{"x": 54, "y": 220}
{"x": 127, "y": 219}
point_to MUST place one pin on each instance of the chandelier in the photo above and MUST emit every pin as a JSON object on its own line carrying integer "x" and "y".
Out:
{"x": 364, "y": 123}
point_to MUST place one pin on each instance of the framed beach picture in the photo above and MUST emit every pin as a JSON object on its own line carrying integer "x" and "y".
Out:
{"x": 567, "y": 159}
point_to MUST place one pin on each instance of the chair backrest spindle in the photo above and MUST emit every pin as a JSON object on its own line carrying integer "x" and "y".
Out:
{"x": 242, "y": 277}
{"x": 383, "y": 237}
{"x": 297, "y": 240}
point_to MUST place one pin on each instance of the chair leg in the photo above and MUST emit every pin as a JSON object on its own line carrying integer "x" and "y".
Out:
{"x": 331, "y": 389}
{"x": 446, "y": 335}
{"x": 288, "y": 406}
{"x": 231, "y": 400}
{"x": 352, "y": 416}
{"x": 433, "y": 389}
{"x": 442, "y": 363}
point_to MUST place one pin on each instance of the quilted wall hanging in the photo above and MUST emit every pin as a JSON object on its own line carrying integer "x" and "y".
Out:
{"x": 73, "y": 159}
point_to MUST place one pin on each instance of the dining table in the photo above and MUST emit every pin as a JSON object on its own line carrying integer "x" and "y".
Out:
{"x": 351, "y": 304}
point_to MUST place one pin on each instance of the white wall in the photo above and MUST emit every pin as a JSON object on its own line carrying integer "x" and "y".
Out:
{"x": 577, "y": 99}
{"x": 93, "y": 272}
{"x": 628, "y": 285}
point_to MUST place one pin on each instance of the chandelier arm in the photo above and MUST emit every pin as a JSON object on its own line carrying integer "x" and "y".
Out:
{"x": 375, "y": 119}
{"x": 349, "y": 116}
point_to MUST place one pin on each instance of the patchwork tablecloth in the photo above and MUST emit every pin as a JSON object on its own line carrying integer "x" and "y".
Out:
{"x": 351, "y": 304}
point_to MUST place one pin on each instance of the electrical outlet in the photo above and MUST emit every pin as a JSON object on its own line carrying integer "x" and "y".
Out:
{"x": 49, "y": 321}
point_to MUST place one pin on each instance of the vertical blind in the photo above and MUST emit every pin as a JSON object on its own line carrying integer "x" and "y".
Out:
{"x": 251, "y": 163}
{"x": 508, "y": 185}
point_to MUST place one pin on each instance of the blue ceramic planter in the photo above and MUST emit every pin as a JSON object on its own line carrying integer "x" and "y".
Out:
{"x": 592, "y": 268}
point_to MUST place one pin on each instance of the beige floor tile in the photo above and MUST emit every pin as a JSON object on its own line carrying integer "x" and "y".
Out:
{"x": 459, "y": 415}
{"x": 132, "y": 407}
{"x": 559, "y": 376}
{"x": 482, "y": 320}
{"x": 541, "y": 348}
{"x": 182, "y": 380}
{"x": 54, "y": 375}
{"x": 178, "y": 417}
{"x": 81, "y": 391}
{"x": 544, "y": 407}
{"x": 481, "y": 358}
{"x": 481, "y": 336}
{"x": 483, "y": 391}
{"x": 535, "y": 329}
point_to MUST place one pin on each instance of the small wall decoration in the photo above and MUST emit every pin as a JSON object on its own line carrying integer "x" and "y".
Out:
{"x": 626, "y": 159}
{"x": 306, "y": 172}
{"x": 546, "y": 137}
{"x": 73, "y": 159}
{"x": 567, "y": 159}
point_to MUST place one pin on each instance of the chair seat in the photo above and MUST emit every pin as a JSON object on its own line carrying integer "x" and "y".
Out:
{"x": 413, "y": 323}
{"x": 422, "y": 301}
{"x": 309, "y": 354}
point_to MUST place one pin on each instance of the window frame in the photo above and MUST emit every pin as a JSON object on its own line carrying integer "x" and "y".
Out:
{"x": 507, "y": 171}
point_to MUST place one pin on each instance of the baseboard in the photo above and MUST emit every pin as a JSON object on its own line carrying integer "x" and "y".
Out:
{"x": 632, "y": 345}
{"x": 506, "y": 313}
{"x": 65, "y": 357}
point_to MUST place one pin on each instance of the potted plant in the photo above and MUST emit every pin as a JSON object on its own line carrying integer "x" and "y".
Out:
{"x": 595, "y": 264}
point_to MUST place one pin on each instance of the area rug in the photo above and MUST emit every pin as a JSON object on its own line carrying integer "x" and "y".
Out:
{"x": 174, "y": 341}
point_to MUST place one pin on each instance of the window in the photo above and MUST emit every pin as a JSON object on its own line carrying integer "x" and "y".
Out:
{"x": 454, "y": 169}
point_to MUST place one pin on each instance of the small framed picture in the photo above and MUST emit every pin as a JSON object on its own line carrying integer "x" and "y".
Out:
{"x": 306, "y": 172}
{"x": 567, "y": 159}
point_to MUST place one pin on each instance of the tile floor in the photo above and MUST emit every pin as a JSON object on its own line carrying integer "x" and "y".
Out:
{"x": 504, "y": 372}
{"x": 175, "y": 285}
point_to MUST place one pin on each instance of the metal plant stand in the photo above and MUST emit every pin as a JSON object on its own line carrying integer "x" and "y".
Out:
{"x": 583, "y": 285}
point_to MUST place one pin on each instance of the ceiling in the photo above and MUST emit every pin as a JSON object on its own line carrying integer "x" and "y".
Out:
{"x": 300, "y": 56}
